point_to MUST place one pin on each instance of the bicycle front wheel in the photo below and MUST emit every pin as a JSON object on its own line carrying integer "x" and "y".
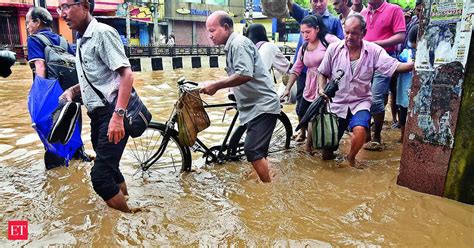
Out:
{"x": 280, "y": 140}
{"x": 158, "y": 148}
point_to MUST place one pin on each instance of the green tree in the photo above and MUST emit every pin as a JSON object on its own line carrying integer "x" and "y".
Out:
{"x": 302, "y": 3}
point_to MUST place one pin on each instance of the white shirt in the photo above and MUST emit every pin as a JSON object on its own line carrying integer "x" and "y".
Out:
{"x": 272, "y": 56}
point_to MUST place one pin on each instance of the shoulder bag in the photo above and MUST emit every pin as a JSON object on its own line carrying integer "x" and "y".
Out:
{"x": 137, "y": 117}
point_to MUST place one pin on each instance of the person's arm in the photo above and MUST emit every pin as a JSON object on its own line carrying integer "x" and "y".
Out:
{"x": 231, "y": 81}
{"x": 405, "y": 67}
{"x": 112, "y": 53}
{"x": 40, "y": 68}
{"x": 36, "y": 56}
{"x": 398, "y": 29}
{"x": 70, "y": 93}
{"x": 290, "y": 83}
{"x": 337, "y": 29}
{"x": 243, "y": 66}
{"x": 280, "y": 62}
{"x": 116, "y": 130}
{"x": 289, "y": 3}
{"x": 322, "y": 81}
{"x": 396, "y": 39}
{"x": 297, "y": 12}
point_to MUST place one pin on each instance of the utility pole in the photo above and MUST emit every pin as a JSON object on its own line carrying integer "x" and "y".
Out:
{"x": 156, "y": 28}
{"x": 127, "y": 22}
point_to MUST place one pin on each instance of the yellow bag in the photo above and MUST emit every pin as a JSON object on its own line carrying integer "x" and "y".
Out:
{"x": 192, "y": 117}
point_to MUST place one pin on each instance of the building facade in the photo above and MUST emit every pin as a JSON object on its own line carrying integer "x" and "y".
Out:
{"x": 13, "y": 27}
{"x": 187, "y": 18}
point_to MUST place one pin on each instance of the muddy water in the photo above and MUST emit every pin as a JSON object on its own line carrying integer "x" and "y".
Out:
{"x": 311, "y": 203}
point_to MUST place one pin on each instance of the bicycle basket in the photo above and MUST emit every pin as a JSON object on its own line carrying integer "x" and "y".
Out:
{"x": 192, "y": 117}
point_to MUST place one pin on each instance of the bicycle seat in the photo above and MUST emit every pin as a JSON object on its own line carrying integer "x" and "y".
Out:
{"x": 231, "y": 97}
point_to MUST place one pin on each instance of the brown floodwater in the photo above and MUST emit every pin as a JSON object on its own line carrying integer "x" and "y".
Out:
{"x": 310, "y": 203}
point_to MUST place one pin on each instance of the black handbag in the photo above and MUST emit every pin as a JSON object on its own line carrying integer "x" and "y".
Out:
{"x": 137, "y": 117}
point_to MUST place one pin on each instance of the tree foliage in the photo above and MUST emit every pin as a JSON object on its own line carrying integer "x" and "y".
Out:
{"x": 302, "y": 3}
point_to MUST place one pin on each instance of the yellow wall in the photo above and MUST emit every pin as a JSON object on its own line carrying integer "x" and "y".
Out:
{"x": 23, "y": 35}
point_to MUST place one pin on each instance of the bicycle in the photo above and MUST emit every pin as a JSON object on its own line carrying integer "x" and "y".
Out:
{"x": 159, "y": 145}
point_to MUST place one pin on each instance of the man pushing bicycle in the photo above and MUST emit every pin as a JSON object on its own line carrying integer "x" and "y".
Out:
{"x": 257, "y": 100}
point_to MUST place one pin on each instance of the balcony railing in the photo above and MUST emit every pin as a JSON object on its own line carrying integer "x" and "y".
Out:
{"x": 178, "y": 50}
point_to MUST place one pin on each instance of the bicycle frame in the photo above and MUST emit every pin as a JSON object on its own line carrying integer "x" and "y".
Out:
{"x": 208, "y": 152}
{"x": 199, "y": 146}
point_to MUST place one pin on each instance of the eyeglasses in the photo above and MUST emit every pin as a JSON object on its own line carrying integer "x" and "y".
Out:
{"x": 65, "y": 7}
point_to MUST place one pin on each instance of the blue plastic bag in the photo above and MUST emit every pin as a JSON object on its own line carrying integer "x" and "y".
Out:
{"x": 42, "y": 101}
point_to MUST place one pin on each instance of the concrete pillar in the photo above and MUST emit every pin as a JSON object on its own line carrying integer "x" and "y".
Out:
{"x": 438, "y": 148}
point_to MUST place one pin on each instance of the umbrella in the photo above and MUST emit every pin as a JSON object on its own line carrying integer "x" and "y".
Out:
{"x": 42, "y": 102}
{"x": 7, "y": 59}
{"x": 316, "y": 106}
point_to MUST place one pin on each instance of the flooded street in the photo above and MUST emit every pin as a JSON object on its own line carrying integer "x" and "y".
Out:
{"x": 311, "y": 202}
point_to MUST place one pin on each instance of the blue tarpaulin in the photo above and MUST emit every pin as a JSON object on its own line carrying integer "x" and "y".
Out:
{"x": 42, "y": 101}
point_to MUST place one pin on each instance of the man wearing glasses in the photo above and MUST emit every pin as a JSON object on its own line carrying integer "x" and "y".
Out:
{"x": 102, "y": 63}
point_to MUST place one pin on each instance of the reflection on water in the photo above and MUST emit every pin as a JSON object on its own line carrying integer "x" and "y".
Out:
{"x": 311, "y": 203}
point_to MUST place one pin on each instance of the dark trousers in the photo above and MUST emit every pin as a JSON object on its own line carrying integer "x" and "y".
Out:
{"x": 105, "y": 174}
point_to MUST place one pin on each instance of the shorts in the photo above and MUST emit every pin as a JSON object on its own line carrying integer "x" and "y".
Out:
{"x": 380, "y": 86}
{"x": 300, "y": 83}
{"x": 259, "y": 134}
{"x": 361, "y": 118}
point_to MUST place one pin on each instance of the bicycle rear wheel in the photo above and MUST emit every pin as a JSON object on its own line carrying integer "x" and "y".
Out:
{"x": 280, "y": 140}
{"x": 145, "y": 150}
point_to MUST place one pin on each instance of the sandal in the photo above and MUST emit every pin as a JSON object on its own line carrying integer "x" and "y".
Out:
{"x": 373, "y": 146}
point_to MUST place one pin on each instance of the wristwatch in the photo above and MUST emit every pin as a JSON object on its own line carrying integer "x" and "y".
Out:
{"x": 120, "y": 112}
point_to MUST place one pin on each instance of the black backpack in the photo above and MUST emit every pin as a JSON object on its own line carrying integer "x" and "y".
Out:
{"x": 60, "y": 64}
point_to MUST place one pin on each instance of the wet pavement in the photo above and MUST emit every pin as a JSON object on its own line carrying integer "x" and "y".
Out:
{"x": 310, "y": 203}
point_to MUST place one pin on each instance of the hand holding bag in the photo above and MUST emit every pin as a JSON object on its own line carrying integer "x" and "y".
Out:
{"x": 137, "y": 117}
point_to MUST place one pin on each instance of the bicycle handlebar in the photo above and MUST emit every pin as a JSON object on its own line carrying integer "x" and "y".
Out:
{"x": 183, "y": 81}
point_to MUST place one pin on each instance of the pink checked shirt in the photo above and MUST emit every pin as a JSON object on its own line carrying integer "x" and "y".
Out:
{"x": 311, "y": 60}
{"x": 354, "y": 88}
{"x": 386, "y": 21}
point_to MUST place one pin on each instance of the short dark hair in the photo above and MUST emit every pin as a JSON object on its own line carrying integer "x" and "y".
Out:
{"x": 91, "y": 4}
{"x": 42, "y": 15}
{"x": 226, "y": 19}
{"x": 256, "y": 33}
{"x": 349, "y": 3}
{"x": 316, "y": 21}
{"x": 413, "y": 33}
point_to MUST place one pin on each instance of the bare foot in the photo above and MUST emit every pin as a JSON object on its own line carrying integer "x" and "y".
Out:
{"x": 300, "y": 137}
{"x": 357, "y": 164}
